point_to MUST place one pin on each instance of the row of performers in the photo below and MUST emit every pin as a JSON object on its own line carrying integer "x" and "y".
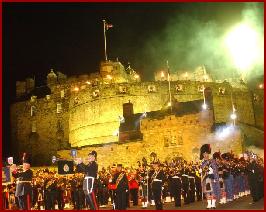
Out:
{"x": 222, "y": 178}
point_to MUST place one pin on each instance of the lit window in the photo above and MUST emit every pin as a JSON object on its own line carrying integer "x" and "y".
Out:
{"x": 59, "y": 108}
{"x": 33, "y": 127}
{"x": 62, "y": 93}
{"x": 33, "y": 111}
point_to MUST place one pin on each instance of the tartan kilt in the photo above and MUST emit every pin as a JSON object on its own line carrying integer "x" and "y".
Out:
{"x": 207, "y": 185}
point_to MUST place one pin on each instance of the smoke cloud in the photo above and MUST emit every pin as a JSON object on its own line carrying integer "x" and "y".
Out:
{"x": 192, "y": 39}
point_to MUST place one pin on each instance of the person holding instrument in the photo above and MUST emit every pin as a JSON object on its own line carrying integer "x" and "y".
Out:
{"x": 23, "y": 184}
{"x": 90, "y": 171}
{"x": 210, "y": 177}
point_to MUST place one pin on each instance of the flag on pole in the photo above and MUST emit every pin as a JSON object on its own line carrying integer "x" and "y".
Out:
{"x": 107, "y": 26}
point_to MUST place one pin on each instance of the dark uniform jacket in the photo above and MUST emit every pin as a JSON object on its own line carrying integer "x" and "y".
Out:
{"x": 90, "y": 170}
{"x": 157, "y": 180}
{"x": 123, "y": 183}
{"x": 23, "y": 188}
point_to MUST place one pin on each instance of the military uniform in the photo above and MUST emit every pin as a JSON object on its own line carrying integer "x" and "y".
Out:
{"x": 144, "y": 188}
{"x": 133, "y": 188}
{"x": 176, "y": 188}
{"x": 198, "y": 186}
{"x": 50, "y": 194}
{"x": 156, "y": 185}
{"x": 90, "y": 171}
{"x": 185, "y": 187}
{"x": 210, "y": 179}
{"x": 253, "y": 179}
{"x": 121, "y": 182}
{"x": 24, "y": 188}
{"x": 192, "y": 187}
{"x": 78, "y": 194}
{"x": 103, "y": 191}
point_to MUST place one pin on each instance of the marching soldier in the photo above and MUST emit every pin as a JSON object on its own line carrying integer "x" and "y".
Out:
{"x": 121, "y": 182}
{"x": 185, "y": 186}
{"x": 150, "y": 192}
{"x": 50, "y": 192}
{"x": 90, "y": 171}
{"x": 23, "y": 187}
{"x": 192, "y": 188}
{"x": 156, "y": 185}
{"x": 78, "y": 194}
{"x": 143, "y": 175}
{"x": 217, "y": 156}
{"x": 253, "y": 178}
{"x": 210, "y": 177}
{"x": 228, "y": 177}
{"x": 176, "y": 187}
{"x": 198, "y": 185}
{"x": 134, "y": 188}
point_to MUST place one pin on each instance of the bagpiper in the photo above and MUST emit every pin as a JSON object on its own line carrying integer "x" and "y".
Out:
{"x": 210, "y": 177}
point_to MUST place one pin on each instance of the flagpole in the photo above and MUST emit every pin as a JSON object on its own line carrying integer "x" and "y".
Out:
{"x": 169, "y": 85}
{"x": 104, "y": 28}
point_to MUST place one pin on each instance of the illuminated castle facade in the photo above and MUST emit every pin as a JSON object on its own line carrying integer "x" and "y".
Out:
{"x": 86, "y": 112}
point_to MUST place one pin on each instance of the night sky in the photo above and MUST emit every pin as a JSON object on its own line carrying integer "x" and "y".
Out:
{"x": 68, "y": 37}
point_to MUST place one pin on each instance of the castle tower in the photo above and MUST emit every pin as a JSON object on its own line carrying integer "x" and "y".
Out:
{"x": 128, "y": 109}
{"x": 30, "y": 84}
{"x": 113, "y": 70}
{"x": 51, "y": 79}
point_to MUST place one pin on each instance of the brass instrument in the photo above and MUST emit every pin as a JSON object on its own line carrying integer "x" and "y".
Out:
{"x": 154, "y": 176}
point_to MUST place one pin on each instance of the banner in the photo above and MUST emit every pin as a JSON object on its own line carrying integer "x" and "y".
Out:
{"x": 65, "y": 167}
{"x": 73, "y": 153}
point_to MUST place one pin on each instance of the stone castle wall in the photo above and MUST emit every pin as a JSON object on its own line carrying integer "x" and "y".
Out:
{"x": 90, "y": 115}
{"x": 94, "y": 120}
{"x": 169, "y": 137}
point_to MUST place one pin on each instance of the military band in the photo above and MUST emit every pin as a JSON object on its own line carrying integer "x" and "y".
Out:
{"x": 217, "y": 179}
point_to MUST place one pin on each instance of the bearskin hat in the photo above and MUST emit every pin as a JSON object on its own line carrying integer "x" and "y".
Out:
{"x": 205, "y": 148}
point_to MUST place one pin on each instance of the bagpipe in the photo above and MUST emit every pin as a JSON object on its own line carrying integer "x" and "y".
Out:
{"x": 206, "y": 171}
